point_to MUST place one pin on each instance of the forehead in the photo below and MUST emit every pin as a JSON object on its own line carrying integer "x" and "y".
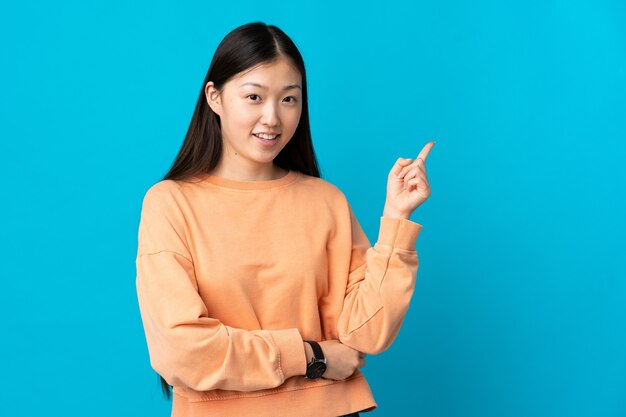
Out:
{"x": 273, "y": 74}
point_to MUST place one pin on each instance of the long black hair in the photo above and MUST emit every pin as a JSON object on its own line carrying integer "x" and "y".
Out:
{"x": 243, "y": 48}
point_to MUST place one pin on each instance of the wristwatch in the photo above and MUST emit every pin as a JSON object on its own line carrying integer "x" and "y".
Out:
{"x": 317, "y": 366}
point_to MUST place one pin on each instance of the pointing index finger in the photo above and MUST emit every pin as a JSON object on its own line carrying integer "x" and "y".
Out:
{"x": 425, "y": 151}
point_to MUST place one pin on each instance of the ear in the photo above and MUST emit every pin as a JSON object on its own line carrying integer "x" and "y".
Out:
{"x": 213, "y": 98}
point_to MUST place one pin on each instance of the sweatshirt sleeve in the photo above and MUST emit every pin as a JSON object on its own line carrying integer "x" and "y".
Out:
{"x": 186, "y": 347}
{"x": 380, "y": 284}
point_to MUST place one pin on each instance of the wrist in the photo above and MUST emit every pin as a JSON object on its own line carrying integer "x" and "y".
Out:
{"x": 308, "y": 352}
{"x": 317, "y": 366}
{"x": 393, "y": 213}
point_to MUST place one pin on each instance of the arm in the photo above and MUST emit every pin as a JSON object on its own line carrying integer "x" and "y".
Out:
{"x": 380, "y": 284}
{"x": 186, "y": 347}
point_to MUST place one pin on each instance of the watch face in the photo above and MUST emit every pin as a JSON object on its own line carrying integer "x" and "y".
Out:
{"x": 315, "y": 370}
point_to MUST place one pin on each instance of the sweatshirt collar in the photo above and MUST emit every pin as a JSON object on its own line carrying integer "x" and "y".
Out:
{"x": 290, "y": 177}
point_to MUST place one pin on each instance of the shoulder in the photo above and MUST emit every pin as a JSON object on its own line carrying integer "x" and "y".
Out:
{"x": 323, "y": 189}
{"x": 162, "y": 225}
{"x": 161, "y": 195}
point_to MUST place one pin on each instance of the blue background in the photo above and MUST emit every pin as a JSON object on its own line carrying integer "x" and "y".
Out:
{"x": 520, "y": 304}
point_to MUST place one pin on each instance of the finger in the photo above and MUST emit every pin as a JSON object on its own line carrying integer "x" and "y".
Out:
{"x": 419, "y": 183}
{"x": 422, "y": 167}
{"x": 412, "y": 174}
{"x": 425, "y": 151}
{"x": 400, "y": 163}
{"x": 421, "y": 171}
{"x": 407, "y": 178}
{"x": 419, "y": 179}
{"x": 418, "y": 162}
{"x": 407, "y": 168}
{"x": 404, "y": 170}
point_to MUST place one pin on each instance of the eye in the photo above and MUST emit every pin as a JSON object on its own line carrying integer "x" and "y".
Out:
{"x": 252, "y": 95}
{"x": 293, "y": 99}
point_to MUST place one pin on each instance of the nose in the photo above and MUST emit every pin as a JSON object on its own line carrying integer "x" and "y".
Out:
{"x": 270, "y": 115}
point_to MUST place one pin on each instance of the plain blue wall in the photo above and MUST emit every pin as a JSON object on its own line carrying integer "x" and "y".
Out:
{"x": 520, "y": 304}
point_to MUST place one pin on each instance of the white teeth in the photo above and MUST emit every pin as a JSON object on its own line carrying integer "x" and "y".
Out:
{"x": 264, "y": 136}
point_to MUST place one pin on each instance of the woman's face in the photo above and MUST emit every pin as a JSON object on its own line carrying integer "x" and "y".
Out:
{"x": 264, "y": 99}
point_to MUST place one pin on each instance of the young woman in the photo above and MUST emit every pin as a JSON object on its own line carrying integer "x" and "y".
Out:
{"x": 259, "y": 292}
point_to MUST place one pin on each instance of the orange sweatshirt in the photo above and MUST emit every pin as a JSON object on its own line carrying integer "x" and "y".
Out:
{"x": 233, "y": 275}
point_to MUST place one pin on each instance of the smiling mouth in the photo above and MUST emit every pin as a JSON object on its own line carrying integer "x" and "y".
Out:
{"x": 269, "y": 140}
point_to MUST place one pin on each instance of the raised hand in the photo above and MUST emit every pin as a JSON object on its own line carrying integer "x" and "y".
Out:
{"x": 407, "y": 185}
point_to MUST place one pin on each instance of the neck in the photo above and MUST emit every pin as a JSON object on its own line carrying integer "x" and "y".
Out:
{"x": 249, "y": 173}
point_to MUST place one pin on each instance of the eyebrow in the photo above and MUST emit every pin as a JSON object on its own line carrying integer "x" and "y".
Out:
{"x": 287, "y": 87}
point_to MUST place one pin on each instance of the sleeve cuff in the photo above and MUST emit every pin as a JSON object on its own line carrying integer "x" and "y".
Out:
{"x": 398, "y": 232}
{"x": 292, "y": 356}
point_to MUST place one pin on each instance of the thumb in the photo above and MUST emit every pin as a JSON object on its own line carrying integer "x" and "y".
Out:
{"x": 400, "y": 163}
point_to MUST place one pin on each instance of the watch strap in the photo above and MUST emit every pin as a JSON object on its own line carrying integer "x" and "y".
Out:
{"x": 317, "y": 350}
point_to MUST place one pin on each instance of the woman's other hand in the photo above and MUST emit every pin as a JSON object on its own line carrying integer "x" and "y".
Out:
{"x": 407, "y": 185}
{"x": 341, "y": 360}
